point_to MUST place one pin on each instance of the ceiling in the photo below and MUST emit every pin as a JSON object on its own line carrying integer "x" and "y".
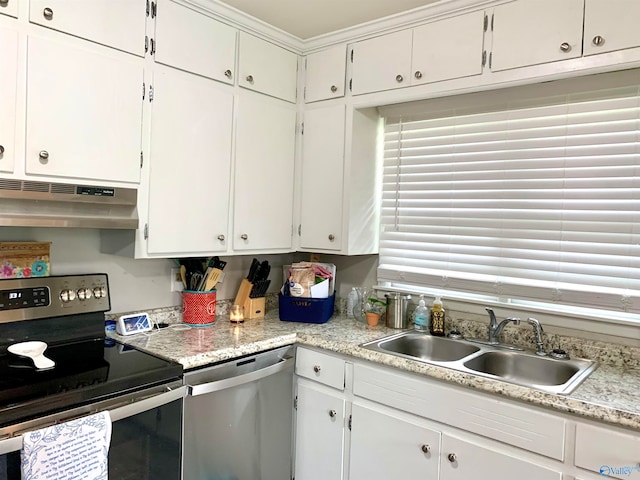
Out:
{"x": 310, "y": 18}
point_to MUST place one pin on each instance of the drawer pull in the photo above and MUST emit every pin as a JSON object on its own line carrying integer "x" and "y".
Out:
{"x": 48, "y": 13}
{"x": 565, "y": 47}
{"x": 452, "y": 457}
{"x": 425, "y": 448}
{"x": 334, "y": 89}
{"x": 316, "y": 368}
{"x": 332, "y": 413}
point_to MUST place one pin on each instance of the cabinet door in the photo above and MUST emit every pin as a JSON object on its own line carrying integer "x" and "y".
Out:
{"x": 319, "y": 434}
{"x": 325, "y": 72}
{"x": 8, "y": 79}
{"x": 190, "y": 167}
{"x": 84, "y": 113}
{"x": 321, "y": 206}
{"x": 9, "y": 7}
{"x": 264, "y": 163}
{"x": 267, "y": 68}
{"x": 610, "y": 25}
{"x": 116, "y": 23}
{"x": 450, "y": 48}
{"x": 610, "y": 452}
{"x": 530, "y": 32}
{"x": 462, "y": 460}
{"x": 194, "y": 42}
{"x": 384, "y": 447}
{"x": 382, "y": 63}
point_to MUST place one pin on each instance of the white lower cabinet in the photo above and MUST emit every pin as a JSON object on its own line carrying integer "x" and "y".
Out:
{"x": 385, "y": 446}
{"x": 190, "y": 167}
{"x": 320, "y": 428}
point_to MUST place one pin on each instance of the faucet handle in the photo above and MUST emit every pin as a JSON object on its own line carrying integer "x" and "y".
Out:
{"x": 492, "y": 316}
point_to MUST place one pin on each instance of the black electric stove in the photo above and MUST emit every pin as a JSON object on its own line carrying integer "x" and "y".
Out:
{"x": 66, "y": 312}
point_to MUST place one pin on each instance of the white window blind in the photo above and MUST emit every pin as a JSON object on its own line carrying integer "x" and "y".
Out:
{"x": 529, "y": 194}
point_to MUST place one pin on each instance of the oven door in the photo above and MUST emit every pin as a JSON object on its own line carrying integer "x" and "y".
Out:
{"x": 146, "y": 435}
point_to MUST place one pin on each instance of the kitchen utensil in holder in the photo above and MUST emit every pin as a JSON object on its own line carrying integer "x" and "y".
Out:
{"x": 199, "y": 308}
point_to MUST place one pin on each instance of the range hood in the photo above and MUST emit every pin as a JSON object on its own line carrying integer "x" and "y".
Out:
{"x": 26, "y": 203}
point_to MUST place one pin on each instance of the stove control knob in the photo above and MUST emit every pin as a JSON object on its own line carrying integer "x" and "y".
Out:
{"x": 100, "y": 292}
{"x": 84, "y": 293}
{"x": 67, "y": 296}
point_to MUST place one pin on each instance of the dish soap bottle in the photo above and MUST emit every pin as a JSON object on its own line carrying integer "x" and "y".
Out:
{"x": 421, "y": 316}
{"x": 436, "y": 324}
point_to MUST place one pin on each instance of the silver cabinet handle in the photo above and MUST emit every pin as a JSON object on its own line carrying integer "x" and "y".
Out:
{"x": 332, "y": 237}
{"x": 221, "y": 238}
{"x": 452, "y": 457}
{"x": 244, "y": 236}
{"x": 227, "y": 73}
{"x": 250, "y": 78}
{"x": 48, "y": 13}
{"x": 1, "y": 149}
{"x": 334, "y": 89}
{"x": 332, "y": 413}
{"x": 598, "y": 41}
{"x": 399, "y": 78}
{"x": 44, "y": 156}
{"x": 565, "y": 47}
{"x": 4, "y": 3}
{"x": 316, "y": 368}
{"x": 425, "y": 448}
{"x": 418, "y": 74}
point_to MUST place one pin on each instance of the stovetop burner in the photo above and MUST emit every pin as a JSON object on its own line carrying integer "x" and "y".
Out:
{"x": 88, "y": 366}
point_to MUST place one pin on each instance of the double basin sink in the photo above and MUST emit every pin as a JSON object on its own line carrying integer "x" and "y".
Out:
{"x": 560, "y": 376}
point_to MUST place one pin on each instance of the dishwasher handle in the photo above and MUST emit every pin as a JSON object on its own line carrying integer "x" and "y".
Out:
{"x": 195, "y": 390}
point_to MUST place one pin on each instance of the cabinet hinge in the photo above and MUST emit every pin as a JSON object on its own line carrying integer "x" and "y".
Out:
{"x": 154, "y": 9}
{"x": 352, "y": 55}
{"x": 300, "y": 230}
{"x": 302, "y": 128}
{"x": 295, "y": 403}
{"x": 490, "y": 59}
{"x": 153, "y": 46}
{"x": 304, "y": 93}
{"x": 351, "y": 84}
{"x": 350, "y": 421}
{"x": 144, "y": 90}
{"x": 492, "y": 17}
{"x": 484, "y": 58}
{"x": 150, "y": 93}
{"x": 146, "y": 231}
{"x": 148, "y": 7}
{"x": 141, "y": 159}
{"x": 486, "y": 22}
{"x": 146, "y": 43}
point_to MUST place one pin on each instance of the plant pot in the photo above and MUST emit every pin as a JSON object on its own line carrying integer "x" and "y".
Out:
{"x": 372, "y": 318}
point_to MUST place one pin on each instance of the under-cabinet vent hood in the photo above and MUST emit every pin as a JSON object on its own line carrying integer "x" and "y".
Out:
{"x": 41, "y": 204}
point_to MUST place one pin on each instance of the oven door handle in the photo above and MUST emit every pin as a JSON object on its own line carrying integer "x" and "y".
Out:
{"x": 139, "y": 406}
{"x": 195, "y": 390}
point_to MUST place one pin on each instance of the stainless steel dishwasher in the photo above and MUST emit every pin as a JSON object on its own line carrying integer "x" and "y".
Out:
{"x": 238, "y": 419}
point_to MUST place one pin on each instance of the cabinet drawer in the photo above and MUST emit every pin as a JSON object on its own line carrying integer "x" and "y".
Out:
{"x": 486, "y": 415}
{"x": 320, "y": 367}
{"x": 607, "y": 451}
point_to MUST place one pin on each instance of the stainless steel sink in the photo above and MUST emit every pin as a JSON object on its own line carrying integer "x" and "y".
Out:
{"x": 559, "y": 376}
{"x": 427, "y": 347}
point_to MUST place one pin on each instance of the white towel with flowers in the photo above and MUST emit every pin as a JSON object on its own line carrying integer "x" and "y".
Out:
{"x": 75, "y": 450}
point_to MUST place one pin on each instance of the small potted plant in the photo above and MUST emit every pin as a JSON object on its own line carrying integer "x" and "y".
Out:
{"x": 373, "y": 310}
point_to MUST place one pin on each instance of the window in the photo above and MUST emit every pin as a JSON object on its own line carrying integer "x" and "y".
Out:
{"x": 528, "y": 194}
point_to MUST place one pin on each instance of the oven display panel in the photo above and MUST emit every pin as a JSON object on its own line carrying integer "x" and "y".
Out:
{"x": 24, "y": 298}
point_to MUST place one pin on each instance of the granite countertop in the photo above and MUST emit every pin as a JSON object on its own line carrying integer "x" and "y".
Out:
{"x": 609, "y": 394}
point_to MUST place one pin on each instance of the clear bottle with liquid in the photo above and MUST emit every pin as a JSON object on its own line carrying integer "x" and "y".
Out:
{"x": 436, "y": 321}
{"x": 354, "y": 303}
{"x": 421, "y": 316}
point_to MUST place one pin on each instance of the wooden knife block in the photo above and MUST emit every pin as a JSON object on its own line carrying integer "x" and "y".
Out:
{"x": 243, "y": 292}
{"x": 254, "y": 307}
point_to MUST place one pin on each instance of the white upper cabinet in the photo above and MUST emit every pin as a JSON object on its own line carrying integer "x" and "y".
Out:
{"x": 84, "y": 113}
{"x": 8, "y": 79}
{"x": 194, "y": 42}
{"x": 264, "y": 163}
{"x": 325, "y": 74}
{"x": 190, "y": 167}
{"x": 116, "y": 23}
{"x": 447, "y": 49}
{"x": 321, "y": 205}
{"x": 611, "y": 25}
{"x": 531, "y": 32}
{"x": 267, "y": 68}
{"x": 9, "y": 7}
{"x": 381, "y": 63}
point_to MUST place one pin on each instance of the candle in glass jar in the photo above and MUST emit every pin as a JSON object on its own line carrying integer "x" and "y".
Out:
{"x": 236, "y": 315}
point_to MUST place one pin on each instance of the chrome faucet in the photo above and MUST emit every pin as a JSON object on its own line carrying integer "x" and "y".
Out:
{"x": 537, "y": 334}
{"x": 495, "y": 328}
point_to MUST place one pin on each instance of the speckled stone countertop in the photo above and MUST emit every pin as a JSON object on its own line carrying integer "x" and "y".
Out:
{"x": 610, "y": 394}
